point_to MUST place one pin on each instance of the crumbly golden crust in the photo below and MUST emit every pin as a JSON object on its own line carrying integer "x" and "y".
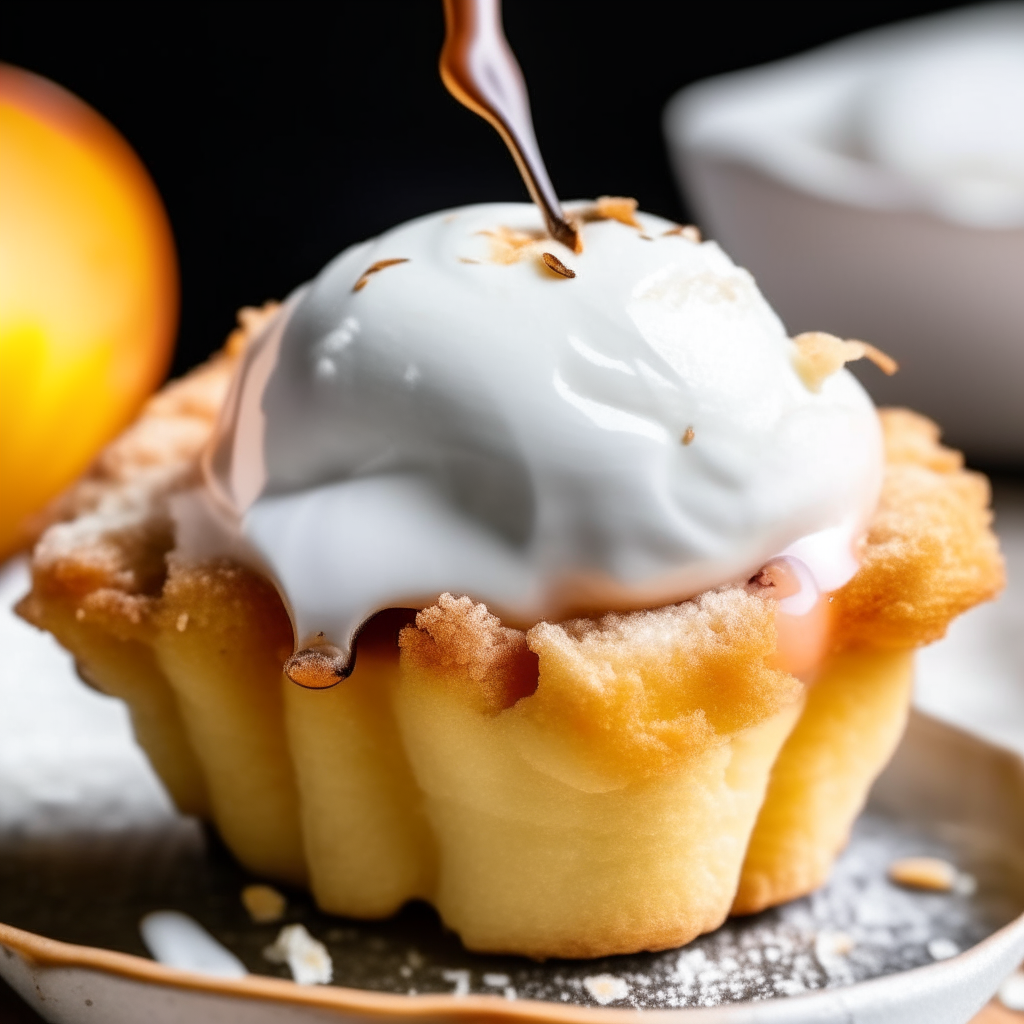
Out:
{"x": 108, "y": 536}
{"x": 646, "y": 691}
{"x": 930, "y": 552}
{"x": 818, "y": 355}
{"x": 638, "y": 693}
{"x": 461, "y": 640}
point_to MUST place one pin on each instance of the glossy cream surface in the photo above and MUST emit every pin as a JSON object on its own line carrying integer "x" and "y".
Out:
{"x": 495, "y": 429}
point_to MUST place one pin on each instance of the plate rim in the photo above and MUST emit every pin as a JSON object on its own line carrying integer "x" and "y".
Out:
{"x": 38, "y": 951}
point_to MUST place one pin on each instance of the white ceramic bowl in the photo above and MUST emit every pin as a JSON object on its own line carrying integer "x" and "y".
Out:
{"x": 773, "y": 162}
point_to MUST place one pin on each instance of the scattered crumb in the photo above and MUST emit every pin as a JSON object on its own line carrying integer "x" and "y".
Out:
{"x": 509, "y": 993}
{"x": 460, "y": 979}
{"x": 1011, "y": 992}
{"x": 405, "y": 971}
{"x": 181, "y": 623}
{"x": 554, "y": 264}
{"x": 375, "y": 268}
{"x": 688, "y": 231}
{"x": 497, "y": 980}
{"x": 466, "y": 259}
{"x": 942, "y": 949}
{"x": 646, "y": 238}
{"x": 264, "y": 903}
{"x": 819, "y": 355}
{"x": 832, "y": 944}
{"x": 307, "y": 959}
{"x": 688, "y": 436}
{"x": 80, "y": 614}
{"x": 606, "y": 988}
{"x": 924, "y": 873}
{"x": 251, "y": 320}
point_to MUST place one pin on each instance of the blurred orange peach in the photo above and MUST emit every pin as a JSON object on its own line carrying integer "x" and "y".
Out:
{"x": 88, "y": 292}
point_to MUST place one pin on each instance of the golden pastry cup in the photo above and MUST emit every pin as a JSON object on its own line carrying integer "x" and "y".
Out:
{"x": 581, "y": 789}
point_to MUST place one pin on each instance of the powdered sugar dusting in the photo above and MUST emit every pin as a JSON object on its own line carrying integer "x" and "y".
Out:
{"x": 859, "y": 926}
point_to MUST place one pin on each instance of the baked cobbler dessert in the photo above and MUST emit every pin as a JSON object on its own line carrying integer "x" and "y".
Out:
{"x": 558, "y": 588}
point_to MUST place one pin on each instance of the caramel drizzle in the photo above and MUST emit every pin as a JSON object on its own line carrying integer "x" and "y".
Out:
{"x": 319, "y": 666}
{"x": 480, "y": 71}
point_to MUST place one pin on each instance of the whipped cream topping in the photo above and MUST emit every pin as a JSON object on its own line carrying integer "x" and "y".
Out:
{"x": 471, "y": 421}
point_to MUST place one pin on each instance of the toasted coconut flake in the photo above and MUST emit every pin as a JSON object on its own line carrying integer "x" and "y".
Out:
{"x": 688, "y": 231}
{"x": 375, "y": 268}
{"x": 307, "y": 958}
{"x": 510, "y": 246}
{"x": 466, "y": 259}
{"x": 819, "y": 355}
{"x": 930, "y": 873}
{"x": 555, "y": 265}
{"x": 688, "y": 436}
{"x": 264, "y": 903}
{"x": 620, "y": 208}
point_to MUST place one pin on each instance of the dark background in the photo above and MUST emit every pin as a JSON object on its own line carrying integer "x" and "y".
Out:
{"x": 279, "y": 133}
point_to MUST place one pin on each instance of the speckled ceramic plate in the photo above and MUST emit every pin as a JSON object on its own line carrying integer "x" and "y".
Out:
{"x": 860, "y": 950}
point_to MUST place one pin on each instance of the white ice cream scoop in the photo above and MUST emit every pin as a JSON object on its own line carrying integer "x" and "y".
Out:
{"x": 467, "y": 419}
